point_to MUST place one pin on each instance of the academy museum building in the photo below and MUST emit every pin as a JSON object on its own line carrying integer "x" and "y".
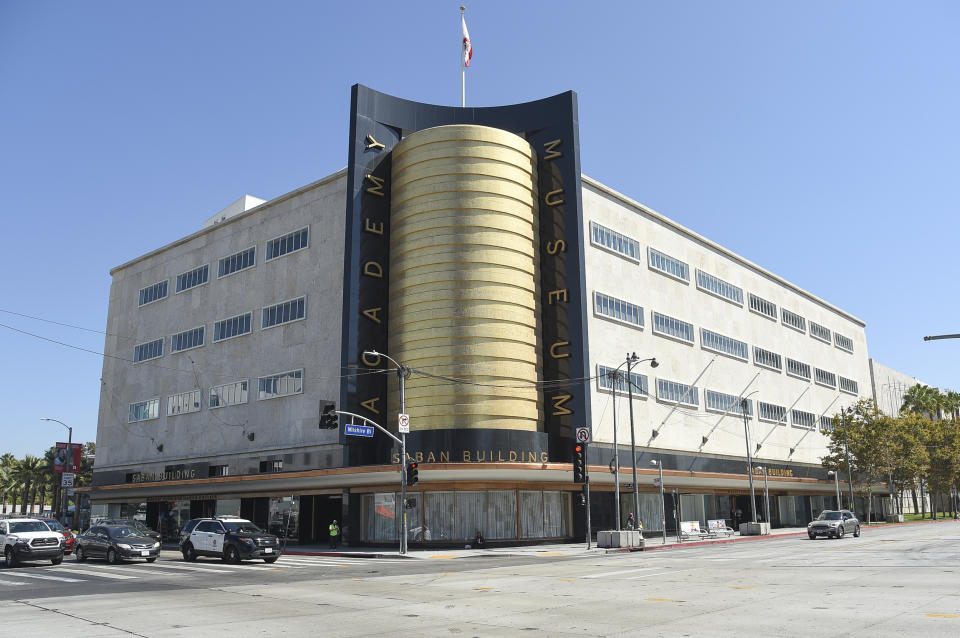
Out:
{"x": 462, "y": 270}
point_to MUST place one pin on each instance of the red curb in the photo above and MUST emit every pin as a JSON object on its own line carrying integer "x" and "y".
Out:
{"x": 343, "y": 554}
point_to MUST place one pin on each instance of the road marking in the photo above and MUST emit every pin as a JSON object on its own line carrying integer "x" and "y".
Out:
{"x": 444, "y": 556}
{"x": 660, "y": 600}
{"x": 101, "y": 574}
{"x": 12, "y": 582}
{"x": 942, "y": 615}
{"x": 192, "y": 569}
{"x": 62, "y": 579}
{"x": 484, "y": 588}
{"x": 139, "y": 570}
{"x": 549, "y": 554}
{"x": 675, "y": 571}
{"x": 623, "y": 571}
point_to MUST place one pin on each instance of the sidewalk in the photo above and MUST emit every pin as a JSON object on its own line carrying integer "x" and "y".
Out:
{"x": 552, "y": 549}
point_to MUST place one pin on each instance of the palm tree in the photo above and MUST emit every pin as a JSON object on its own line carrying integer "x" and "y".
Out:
{"x": 28, "y": 471}
{"x": 7, "y": 485}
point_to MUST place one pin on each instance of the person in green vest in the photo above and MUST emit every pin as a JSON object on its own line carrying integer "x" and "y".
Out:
{"x": 334, "y": 534}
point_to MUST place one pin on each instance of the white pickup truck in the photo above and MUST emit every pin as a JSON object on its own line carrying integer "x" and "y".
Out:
{"x": 25, "y": 539}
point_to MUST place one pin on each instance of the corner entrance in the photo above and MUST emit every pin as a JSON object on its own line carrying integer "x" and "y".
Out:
{"x": 316, "y": 514}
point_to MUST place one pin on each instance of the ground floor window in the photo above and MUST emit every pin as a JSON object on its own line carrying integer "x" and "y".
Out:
{"x": 455, "y": 517}
{"x": 285, "y": 517}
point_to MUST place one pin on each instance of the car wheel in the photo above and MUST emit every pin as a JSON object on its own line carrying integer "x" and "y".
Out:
{"x": 856, "y": 531}
{"x": 813, "y": 537}
{"x": 112, "y": 557}
{"x": 56, "y": 560}
{"x": 79, "y": 554}
{"x": 9, "y": 557}
{"x": 231, "y": 555}
{"x": 189, "y": 554}
{"x": 840, "y": 531}
{"x": 152, "y": 559}
{"x": 272, "y": 559}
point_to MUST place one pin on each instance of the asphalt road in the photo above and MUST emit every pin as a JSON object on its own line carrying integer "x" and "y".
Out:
{"x": 896, "y": 581}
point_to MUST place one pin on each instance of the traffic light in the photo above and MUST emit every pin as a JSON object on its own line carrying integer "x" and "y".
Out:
{"x": 413, "y": 474}
{"x": 329, "y": 419}
{"x": 579, "y": 463}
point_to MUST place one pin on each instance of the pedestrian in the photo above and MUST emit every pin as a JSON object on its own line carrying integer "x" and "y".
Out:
{"x": 631, "y": 523}
{"x": 478, "y": 542}
{"x": 334, "y": 534}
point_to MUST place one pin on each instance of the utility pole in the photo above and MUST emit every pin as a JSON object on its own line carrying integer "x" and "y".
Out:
{"x": 846, "y": 452}
{"x": 746, "y": 433}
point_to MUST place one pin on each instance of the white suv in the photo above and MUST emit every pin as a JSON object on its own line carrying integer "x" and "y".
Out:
{"x": 29, "y": 539}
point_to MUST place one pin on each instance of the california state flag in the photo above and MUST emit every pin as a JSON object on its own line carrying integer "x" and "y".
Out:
{"x": 467, "y": 47}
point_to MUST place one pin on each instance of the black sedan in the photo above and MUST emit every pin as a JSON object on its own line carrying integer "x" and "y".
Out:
{"x": 115, "y": 543}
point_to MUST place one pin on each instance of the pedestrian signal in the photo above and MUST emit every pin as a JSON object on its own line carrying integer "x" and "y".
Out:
{"x": 329, "y": 419}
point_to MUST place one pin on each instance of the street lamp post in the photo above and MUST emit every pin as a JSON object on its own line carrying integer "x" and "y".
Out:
{"x": 402, "y": 373}
{"x": 766, "y": 495}
{"x": 614, "y": 377}
{"x": 836, "y": 479}
{"x": 632, "y": 360}
{"x": 746, "y": 432}
{"x": 63, "y": 496}
{"x": 846, "y": 452}
{"x": 663, "y": 503}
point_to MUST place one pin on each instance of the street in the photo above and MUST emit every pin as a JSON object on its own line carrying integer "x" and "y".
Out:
{"x": 892, "y": 581}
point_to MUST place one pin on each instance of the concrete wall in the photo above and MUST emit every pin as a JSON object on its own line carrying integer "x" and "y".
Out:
{"x": 889, "y": 386}
{"x": 683, "y": 430}
{"x": 281, "y": 426}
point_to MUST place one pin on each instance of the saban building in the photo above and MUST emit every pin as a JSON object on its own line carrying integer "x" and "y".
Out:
{"x": 464, "y": 244}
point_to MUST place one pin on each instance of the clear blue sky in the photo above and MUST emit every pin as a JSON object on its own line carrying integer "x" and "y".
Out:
{"x": 817, "y": 139}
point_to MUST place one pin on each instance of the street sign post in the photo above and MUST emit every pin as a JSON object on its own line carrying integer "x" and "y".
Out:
{"x": 403, "y": 423}
{"x": 66, "y": 479}
{"x": 358, "y": 430}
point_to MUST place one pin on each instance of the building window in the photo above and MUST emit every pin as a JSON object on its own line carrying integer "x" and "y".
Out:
{"x": 819, "y": 332}
{"x": 145, "y": 351}
{"x": 670, "y": 327}
{"x": 271, "y": 466}
{"x": 187, "y": 339}
{"x": 639, "y": 387}
{"x": 283, "y": 312}
{"x": 193, "y": 278}
{"x": 714, "y": 285}
{"x": 183, "y": 403}
{"x": 289, "y": 243}
{"x": 232, "y": 327}
{"x": 716, "y": 342}
{"x": 673, "y": 392}
{"x": 667, "y": 264}
{"x": 280, "y": 385}
{"x": 237, "y": 262}
{"x": 844, "y": 343}
{"x": 144, "y": 410}
{"x": 823, "y": 377}
{"x": 607, "y": 306}
{"x": 725, "y": 403}
{"x": 612, "y": 240}
{"x": 826, "y": 424}
{"x": 803, "y": 419}
{"x": 762, "y": 306}
{"x": 228, "y": 394}
{"x": 767, "y": 359}
{"x": 771, "y": 412}
{"x": 798, "y": 369}
{"x": 154, "y": 292}
{"x": 793, "y": 320}
{"x": 218, "y": 470}
{"x": 848, "y": 385}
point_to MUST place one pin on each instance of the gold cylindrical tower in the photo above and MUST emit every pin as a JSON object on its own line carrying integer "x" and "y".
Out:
{"x": 464, "y": 298}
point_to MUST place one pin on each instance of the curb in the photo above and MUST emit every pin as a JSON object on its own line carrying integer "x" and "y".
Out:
{"x": 344, "y": 554}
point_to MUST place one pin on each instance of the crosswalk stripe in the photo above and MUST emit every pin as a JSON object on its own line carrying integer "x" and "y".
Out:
{"x": 101, "y": 574}
{"x": 62, "y": 579}
{"x": 130, "y": 570}
{"x": 623, "y": 571}
{"x": 191, "y": 568}
{"x": 12, "y": 582}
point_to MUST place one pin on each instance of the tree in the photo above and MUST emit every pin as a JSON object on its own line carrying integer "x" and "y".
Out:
{"x": 28, "y": 471}
{"x": 909, "y": 457}
{"x": 866, "y": 438}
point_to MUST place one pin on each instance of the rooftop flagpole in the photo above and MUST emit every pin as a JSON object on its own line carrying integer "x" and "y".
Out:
{"x": 466, "y": 52}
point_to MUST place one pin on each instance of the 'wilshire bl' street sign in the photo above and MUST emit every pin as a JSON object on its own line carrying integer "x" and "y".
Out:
{"x": 358, "y": 430}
